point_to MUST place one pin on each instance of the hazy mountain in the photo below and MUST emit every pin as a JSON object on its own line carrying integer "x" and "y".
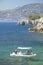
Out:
{"x": 24, "y": 11}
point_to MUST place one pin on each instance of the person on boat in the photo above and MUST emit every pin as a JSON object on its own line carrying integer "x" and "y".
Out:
{"x": 29, "y": 52}
{"x": 16, "y": 51}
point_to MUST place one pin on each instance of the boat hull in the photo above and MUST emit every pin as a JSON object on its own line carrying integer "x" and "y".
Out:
{"x": 29, "y": 56}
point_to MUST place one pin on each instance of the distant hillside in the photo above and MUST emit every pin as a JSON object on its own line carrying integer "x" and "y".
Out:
{"x": 24, "y": 11}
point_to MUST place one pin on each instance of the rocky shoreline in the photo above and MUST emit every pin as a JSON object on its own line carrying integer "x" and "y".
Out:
{"x": 35, "y": 30}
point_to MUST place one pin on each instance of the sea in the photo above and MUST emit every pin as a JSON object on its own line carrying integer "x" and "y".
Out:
{"x": 13, "y": 36}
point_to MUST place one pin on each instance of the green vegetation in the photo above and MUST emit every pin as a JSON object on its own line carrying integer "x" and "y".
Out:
{"x": 34, "y": 16}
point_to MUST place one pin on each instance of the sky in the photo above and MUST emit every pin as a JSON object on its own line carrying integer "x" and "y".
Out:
{"x": 11, "y": 4}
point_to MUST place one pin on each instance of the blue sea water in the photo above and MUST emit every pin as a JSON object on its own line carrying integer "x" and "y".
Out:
{"x": 13, "y": 36}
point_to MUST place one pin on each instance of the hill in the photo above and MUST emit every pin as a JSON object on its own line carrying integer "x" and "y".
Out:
{"x": 21, "y": 12}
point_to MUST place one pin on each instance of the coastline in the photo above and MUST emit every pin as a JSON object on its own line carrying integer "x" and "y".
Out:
{"x": 35, "y": 30}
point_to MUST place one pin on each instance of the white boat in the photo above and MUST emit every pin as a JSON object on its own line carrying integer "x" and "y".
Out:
{"x": 23, "y": 54}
